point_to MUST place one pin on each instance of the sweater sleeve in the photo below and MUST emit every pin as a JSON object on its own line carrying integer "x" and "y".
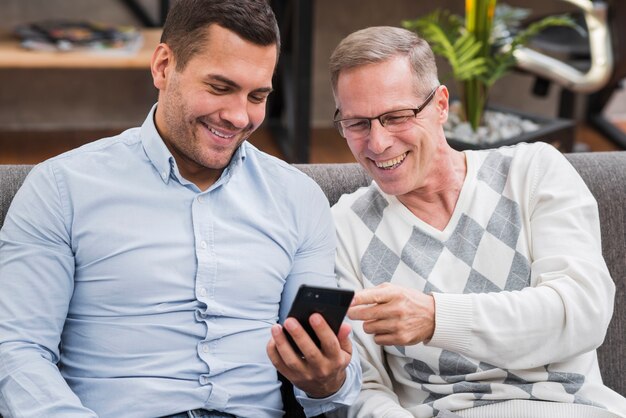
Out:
{"x": 377, "y": 398}
{"x": 567, "y": 309}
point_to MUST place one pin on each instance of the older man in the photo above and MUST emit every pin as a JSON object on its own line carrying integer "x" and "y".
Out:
{"x": 483, "y": 290}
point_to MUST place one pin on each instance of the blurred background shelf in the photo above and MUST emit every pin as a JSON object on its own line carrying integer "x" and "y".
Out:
{"x": 13, "y": 56}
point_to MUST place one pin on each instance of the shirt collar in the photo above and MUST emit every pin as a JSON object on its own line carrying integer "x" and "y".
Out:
{"x": 162, "y": 159}
{"x": 155, "y": 148}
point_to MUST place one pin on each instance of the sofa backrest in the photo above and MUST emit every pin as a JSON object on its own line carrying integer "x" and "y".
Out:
{"x": 11, "y": 178}
{"x": 604, "y": 173}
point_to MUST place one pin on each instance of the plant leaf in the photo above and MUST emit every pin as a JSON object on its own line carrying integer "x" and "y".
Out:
{"x": 523, "y": 36}
{"x": 447, "y": 39}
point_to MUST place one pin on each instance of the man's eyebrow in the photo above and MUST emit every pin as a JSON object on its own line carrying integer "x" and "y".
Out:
{"x": 222, "y": 79}
{"x": 267, "y": 90}
{"x": 231, "y": 83}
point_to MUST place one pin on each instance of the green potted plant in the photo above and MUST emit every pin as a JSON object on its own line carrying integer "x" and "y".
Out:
{"x": 479, "y": 47}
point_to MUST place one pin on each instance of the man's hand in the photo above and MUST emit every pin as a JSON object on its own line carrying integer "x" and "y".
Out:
{"x": 394, "y": 315}
{"x": 320, "y": 372}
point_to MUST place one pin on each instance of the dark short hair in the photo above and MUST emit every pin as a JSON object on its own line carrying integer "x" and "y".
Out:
{"x": 185, "y": 27}
{"x": 381, "y": 43}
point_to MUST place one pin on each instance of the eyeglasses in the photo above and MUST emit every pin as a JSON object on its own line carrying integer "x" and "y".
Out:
{"x": 394, "y": 121}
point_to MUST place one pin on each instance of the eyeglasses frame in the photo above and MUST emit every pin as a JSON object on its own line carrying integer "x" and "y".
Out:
{"x": 415, "y": 111}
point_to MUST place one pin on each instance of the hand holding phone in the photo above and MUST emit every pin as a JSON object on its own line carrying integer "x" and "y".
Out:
{"x": 332, "y": 303}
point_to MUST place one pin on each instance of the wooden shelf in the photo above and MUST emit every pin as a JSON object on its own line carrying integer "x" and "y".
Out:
{"x": 12, "y": 55}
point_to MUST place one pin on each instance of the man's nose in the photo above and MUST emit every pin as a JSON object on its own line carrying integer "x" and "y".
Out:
{"x": 379, "y": 139}
{"x": 235, "y": 111}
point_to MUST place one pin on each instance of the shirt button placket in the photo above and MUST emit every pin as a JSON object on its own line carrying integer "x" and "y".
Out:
{"x": 203, "y": 246}
{"x": 204, "y": 277}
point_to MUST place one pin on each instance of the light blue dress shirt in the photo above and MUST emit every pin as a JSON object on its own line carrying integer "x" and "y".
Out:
{"x": 152, "y": 296}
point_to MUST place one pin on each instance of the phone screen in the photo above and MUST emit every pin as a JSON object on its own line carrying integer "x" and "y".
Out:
{"x": 330, "y": 302}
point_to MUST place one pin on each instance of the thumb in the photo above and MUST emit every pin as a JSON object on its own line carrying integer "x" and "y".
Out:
{"x": 344, "y": 337}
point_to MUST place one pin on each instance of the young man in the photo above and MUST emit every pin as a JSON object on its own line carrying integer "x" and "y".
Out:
{"x": 483, "y": 290}
{"x": 143, "y": 275}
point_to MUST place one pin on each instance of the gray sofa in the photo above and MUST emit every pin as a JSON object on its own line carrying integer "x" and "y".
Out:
{"x": 604, "y": 173}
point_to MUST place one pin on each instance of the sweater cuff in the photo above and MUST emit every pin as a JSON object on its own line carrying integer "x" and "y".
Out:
{"x": 453, "y": 321}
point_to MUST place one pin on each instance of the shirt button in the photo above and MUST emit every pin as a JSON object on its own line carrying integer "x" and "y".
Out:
{"x": 205, "y": 348}
{"x": 203, "y": 245}
{"x": 203, "y": 292}
{"x": 163, "y": 175}
{"x": 200, "y": 199}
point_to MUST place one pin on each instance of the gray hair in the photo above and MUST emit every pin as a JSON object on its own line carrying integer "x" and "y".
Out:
{"x": 380, "y": 43}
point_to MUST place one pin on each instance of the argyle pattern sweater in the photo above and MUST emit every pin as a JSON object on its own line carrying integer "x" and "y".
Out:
{"x": 522, "y": 294}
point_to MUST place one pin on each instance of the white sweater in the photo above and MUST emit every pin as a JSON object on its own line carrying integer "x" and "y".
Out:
{"x": 522, "y": 294}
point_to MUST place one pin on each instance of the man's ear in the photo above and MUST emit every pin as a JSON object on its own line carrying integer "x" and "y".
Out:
{"x": 161, "y": 64}
{"x": 442, "y": 101}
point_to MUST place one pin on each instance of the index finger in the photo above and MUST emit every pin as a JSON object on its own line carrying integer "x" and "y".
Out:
{"x": 373, "y": 295}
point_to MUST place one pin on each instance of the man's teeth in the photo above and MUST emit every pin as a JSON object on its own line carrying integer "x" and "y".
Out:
{"x": 221, "y": 135}
{"x": 391, "y": 163}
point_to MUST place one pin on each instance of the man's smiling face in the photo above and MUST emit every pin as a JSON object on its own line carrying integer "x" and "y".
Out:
{"x": 399, "y": 162}
{"x": 210, "y": 107}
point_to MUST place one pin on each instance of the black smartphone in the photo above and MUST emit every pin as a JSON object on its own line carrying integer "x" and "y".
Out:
{"x": 330, "y": 302}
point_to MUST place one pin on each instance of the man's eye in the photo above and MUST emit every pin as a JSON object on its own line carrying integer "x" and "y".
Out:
{"x": 396, "y": 119}
{"x": 219, "y": 89}
{"x": 356, "y": 124}
{"x": 258, "y": 99}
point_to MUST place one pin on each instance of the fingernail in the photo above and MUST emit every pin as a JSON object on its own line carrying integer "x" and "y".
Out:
{"x": 289, "y": 324}
{"x": 315, "y": 319}
{"x": 275, "y": 330}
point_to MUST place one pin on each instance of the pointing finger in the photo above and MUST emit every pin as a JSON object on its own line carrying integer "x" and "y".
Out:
{"x": 378, "y": 294}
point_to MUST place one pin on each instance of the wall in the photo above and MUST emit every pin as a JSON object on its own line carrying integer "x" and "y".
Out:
{"x": 61, "y": 99}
